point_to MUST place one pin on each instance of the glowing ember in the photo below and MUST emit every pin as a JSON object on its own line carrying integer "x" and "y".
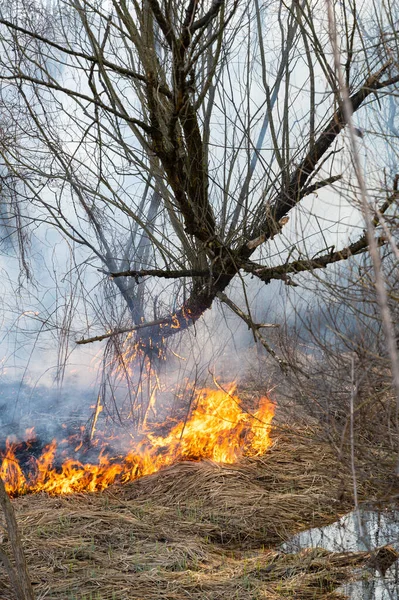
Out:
{"x": 217, "y": 428}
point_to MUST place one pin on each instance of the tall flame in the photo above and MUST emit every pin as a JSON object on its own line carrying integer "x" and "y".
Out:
{"x": 217, "y": 428}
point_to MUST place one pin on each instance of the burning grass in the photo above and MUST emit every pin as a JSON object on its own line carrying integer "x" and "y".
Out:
{"x": 217, "y": 427}
{"x": 197, "y": 530}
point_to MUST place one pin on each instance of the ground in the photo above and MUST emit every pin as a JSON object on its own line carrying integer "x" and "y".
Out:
{"x": 202, "y": 531}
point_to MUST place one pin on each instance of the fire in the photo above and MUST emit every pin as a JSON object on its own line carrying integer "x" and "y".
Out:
{"x": 217, "y": 428}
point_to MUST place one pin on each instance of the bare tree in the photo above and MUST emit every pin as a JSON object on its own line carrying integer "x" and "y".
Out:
{"x": 184, "y": 142}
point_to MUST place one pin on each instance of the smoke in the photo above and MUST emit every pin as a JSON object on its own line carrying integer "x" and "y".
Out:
{"x": 49, "y": 411}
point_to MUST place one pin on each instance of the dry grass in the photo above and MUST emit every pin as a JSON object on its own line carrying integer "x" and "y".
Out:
{"x": 197, "y": 531}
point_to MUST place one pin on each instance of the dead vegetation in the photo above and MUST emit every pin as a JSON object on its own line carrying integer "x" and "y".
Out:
{"x": 195, "y": 530}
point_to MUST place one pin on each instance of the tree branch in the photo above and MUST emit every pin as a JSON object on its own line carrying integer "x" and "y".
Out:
{"x": 291, "y": 195}
{"x": 254, "y": 328}
{"x": 74, "y": 94}
{"x": 104, "y": 336}
{"x": 89, "y": 57}
{"x": 207, "y": 18}
{"x": 165, "y": 27}
{"x": 172, "y": 274}
{"x": 311, "y": 189}
{"x": 266, "y": 274}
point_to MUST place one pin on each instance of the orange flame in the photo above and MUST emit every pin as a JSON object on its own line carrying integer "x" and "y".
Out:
{"x": 217, "y": 428}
